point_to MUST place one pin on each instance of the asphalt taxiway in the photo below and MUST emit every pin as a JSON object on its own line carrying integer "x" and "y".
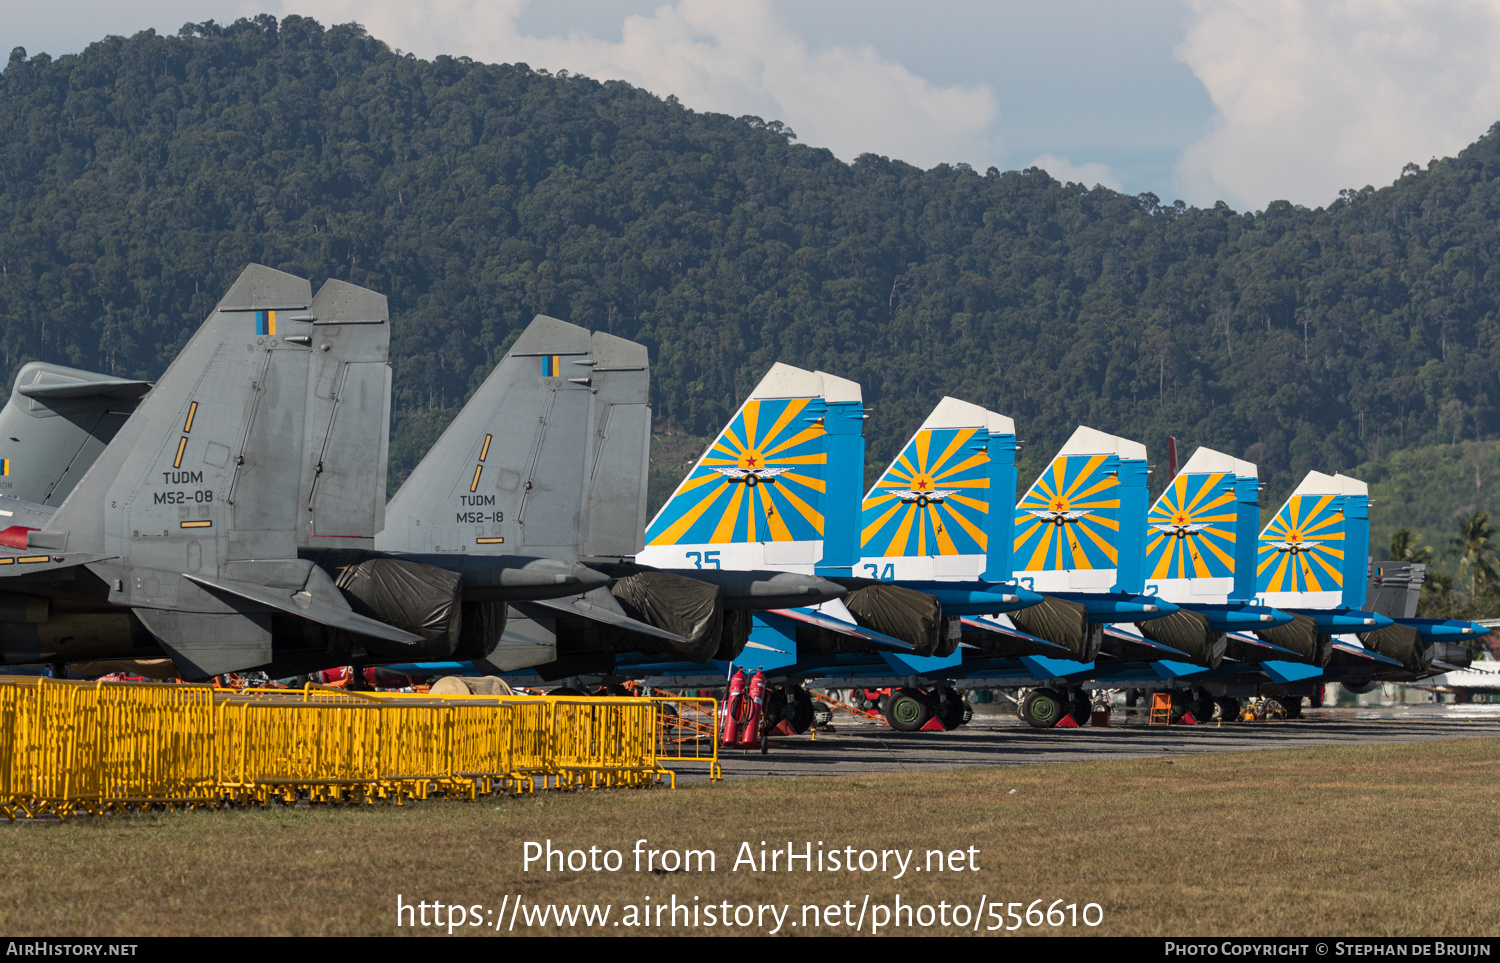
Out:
{"x": 857, "y": 747}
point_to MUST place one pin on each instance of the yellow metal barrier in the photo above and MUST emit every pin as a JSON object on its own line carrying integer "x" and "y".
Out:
{"x": 687, "y": 731}
{"x": 68, "y": 747}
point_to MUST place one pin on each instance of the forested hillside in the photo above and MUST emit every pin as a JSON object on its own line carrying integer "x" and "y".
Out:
{"x": 138, "y": 178}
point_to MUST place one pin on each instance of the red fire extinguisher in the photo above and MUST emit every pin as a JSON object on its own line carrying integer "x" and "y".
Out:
{"x": 733, "y": 706}
{"x": 756, "y": 700}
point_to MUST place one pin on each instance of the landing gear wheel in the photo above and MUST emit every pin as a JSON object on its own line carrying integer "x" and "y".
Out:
{"x": 1202, "y": 707}
{"x": 951, "y": 708}
{"x": 1292, "y": 705}
{"x": 1229, "y": 709}
{"x": 907, "y": 710}
{"x": 800, "y": 708}
{"x": 1082, "y": 708}
{"x": 1132, "y": 698}
{"x": 1041, "y": 708}
{"x": 1315, "y": 700}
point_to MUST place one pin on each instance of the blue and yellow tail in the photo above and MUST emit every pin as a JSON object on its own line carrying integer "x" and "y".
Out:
{"x": 930, "y": 516}
{"x": 1314, "y": 554}
{"x": 1081, "y": 526}
{"x": 779, "y": 487}
{"x": 1199, "y": 541}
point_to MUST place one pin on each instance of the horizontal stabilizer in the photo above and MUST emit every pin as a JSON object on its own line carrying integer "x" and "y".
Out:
{"x": 1249, "y": 648}
{"x": 601, "y": 606}
{"x": 1284, "y": 672}
{"x": 308, "y": 607}
{"x": 121, "y": 388}
{"x": 1360, "y": 652}
{"x": 996, "y": 628}
{"x": 1117, "y": 643}
{"x": 850, "y": 629}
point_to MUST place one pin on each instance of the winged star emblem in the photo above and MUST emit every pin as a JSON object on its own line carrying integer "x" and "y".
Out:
{"x": 1059, "y": 517}
{"x": 935, "y": 496}
{"x": 1180, "y": 530}
{"x": 747, "y": 474}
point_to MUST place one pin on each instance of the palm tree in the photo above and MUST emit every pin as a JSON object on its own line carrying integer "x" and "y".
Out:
{"x": 1402, "y": 549}
{"x": 1475, "y": 548}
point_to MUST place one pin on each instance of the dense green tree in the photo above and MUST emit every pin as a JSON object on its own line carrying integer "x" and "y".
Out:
{"x": 1475, "y": 548}
{"x": 138, "y": 177}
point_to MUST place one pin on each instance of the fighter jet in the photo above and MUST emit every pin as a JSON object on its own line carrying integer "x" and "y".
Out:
{"x": 190, "y": 535}
{"x": 54, "y": 425}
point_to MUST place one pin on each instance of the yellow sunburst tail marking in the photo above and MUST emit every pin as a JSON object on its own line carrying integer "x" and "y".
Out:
{"x": 761, "y": 479}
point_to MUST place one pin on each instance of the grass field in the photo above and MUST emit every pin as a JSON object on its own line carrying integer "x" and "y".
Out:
{"x": 1380, "y": 840}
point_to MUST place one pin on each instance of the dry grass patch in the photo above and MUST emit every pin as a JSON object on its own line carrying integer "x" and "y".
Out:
{"x": 1379, "y": 840}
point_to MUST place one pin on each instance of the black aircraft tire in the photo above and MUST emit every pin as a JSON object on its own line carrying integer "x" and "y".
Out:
{"x": 1203, "y": 707}
{"x": 1082, "y": 708}
{"x": 907, "y": 710}
{"x": 1041, "y": 709}
{"x": 1229, "y": 709}
{"x": 801, "y": 704}
{"x": 1292, "y": 705}
{"x": 1132, "y": 698}
{"x": 950, "y": 708}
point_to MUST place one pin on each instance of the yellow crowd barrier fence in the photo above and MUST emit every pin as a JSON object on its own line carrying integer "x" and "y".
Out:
{"x": 71, "y": 747}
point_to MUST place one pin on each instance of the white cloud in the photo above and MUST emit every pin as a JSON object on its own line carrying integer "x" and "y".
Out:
{"x": 1089, "y": 175}
{"x": 1319, "y": 95}
{"x": 735, "y": 58}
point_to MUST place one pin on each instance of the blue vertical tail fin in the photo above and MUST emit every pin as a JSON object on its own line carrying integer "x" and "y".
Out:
{"x": 781, "y": 477}
{"x": 1081, "y": 526}
{"x": 1200, "y": 540}
{"x": 942, "y": 509}
{"x": 1315, "y": 551}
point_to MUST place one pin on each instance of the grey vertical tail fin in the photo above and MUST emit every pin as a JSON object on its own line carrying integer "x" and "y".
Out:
{"x": 198, "y": 505}
{"x": 614, "y": 522}
{"x": 510, "y": 475}
{"x": 55, "y": 424}
{"x": 348, "y": 418}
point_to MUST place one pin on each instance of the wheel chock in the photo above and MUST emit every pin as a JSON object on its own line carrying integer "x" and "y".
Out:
{"x": 932, "y": 725}
{"x": 1187, "y": 720}
{"x": 783, "y": 728}
{"x": 1066, "y": 722}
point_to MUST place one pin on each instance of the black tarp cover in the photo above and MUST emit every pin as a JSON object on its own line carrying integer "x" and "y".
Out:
{"x": 902, "y": 613}
{"x": 1301, "y": 636}
{"x": 1189, "y": 632}
{"x": 422, "y": 599}
{"x": 681, "y": 605}
{"x": 1062, "y": 622}
{"x": 482, "y": 627}
{"x": 1399, "y": 642}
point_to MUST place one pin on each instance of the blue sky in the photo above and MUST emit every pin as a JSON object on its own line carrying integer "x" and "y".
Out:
{"x": 1245, "y": 101}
